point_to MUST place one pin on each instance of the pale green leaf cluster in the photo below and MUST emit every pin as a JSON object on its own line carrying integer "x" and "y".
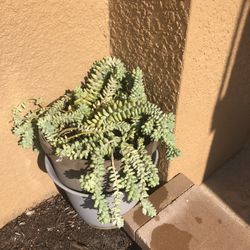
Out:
{"x": 107, "y": 117}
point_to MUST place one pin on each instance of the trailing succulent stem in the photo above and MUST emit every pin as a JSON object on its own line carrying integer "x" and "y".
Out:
{"x": 109, "y": 116}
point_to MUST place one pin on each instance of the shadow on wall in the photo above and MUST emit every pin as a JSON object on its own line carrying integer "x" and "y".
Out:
{"x": 151, "y": 34}
{"x": 231, "y": 126}
{"x": 231, "y": 118}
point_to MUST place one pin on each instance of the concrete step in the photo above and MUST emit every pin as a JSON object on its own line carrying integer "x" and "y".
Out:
{"x": 212, "y": 216}
{"x": 194, "y": 221}
{"x": 161, "y": 198}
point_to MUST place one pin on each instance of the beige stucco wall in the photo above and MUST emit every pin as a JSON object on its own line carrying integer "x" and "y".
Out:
{"x": 213, "y": 114}
{"x": 46, "y": 47}
{"x": 151, "y": 34}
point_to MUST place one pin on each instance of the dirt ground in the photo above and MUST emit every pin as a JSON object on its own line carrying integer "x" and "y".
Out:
{"x": 53, "y": 224}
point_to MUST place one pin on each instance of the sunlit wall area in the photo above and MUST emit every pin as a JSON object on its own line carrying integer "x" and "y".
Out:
{"x": 46, "y": 47}
{"x": 213, "y": 112}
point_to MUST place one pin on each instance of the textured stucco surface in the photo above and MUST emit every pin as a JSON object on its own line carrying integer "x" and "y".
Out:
{"x": 151, "y": 34}
{"x": 46, "y": 47}
{"x": 213, "y": 114}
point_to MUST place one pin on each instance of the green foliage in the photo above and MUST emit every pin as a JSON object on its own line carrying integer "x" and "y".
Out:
{"x": 107, "y": 116}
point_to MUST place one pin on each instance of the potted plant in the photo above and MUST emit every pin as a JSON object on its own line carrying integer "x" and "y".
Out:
{"x": 105, "y": 129}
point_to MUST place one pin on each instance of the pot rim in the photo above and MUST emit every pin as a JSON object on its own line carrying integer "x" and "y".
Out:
{"x": 50, "y": 148}
{"x": 51, "y": 172}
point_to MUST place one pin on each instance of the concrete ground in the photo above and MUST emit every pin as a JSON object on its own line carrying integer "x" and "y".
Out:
{"x": 214, "y": 215}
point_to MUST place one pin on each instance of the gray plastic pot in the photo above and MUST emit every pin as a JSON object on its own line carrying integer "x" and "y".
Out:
{"x": 69, "y": 171}
{"x": 83, "y": 203}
